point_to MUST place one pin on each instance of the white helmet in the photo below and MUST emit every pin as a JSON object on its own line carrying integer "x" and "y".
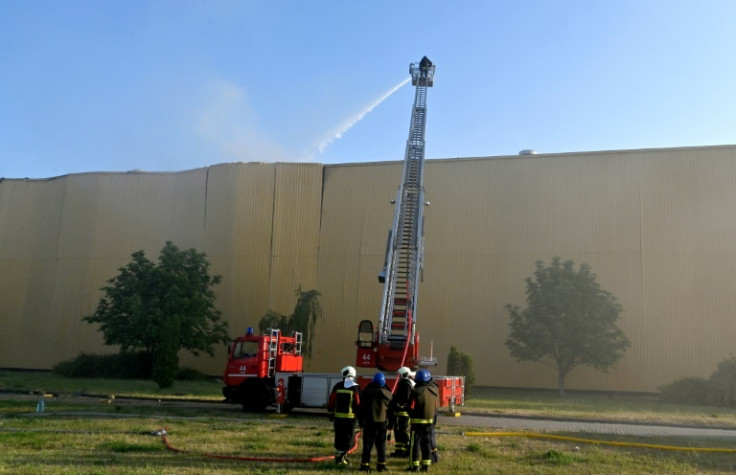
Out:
{"x": 405, "y": 373}
{"x": 348, "y": 372}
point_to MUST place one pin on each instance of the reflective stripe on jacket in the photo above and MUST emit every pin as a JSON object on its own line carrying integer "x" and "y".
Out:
{"x": 344, "y": 402}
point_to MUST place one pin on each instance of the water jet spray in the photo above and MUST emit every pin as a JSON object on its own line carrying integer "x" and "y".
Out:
{"x": 340, "y": 130}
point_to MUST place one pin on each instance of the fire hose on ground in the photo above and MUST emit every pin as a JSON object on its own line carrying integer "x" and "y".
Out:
{"x": 563, "y": 438}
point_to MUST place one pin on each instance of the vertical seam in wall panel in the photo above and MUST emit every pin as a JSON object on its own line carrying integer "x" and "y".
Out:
{"x": 61, "y": 221}
{"x": 206, "y": 190}
{"x": 321, "y": 211}
{"x": 641, "y": 239}
{"x": 270, "y": 247}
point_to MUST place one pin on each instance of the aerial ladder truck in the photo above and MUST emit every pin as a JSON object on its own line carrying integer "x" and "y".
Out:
{"x": 262, "y": 370}
{"x": 395, "y": 341}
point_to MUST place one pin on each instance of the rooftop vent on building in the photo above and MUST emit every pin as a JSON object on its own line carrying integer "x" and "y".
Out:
{"x": 528, "y": 152}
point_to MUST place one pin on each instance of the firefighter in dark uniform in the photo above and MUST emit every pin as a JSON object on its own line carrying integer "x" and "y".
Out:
{"x": 435, "y": 452}
{"x": 425, "y": 63}
{"x": 400, "y": 408}
{"x": 374, "y": 407}
{"x": 422, "y": 413}
{"x": 343, "y": 409}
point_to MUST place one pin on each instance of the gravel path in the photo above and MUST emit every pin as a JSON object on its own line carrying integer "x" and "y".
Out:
{"x": 591, "y": 427}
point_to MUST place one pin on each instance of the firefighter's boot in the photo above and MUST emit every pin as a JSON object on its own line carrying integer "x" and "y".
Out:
{"x": 365, "y": 467}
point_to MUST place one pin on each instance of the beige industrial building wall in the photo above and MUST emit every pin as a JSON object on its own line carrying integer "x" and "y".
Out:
{"x": 62, "y": 238}
{"x": 657, "y": 226}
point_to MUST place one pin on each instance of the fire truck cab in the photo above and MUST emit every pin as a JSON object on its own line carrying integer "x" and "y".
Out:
{"x": 253, "y": 364}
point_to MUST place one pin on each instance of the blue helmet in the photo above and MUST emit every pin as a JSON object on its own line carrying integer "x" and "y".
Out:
{"x": 423, "y": 376}
{"x": 379, "y": 379}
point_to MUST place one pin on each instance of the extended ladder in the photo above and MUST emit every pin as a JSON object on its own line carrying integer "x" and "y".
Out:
{"x": 405, "y": 245}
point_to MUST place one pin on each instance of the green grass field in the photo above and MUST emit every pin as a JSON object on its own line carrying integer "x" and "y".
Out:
{"x": 103, "y": 435}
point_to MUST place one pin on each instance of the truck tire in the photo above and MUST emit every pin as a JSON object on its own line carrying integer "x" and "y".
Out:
{"x": 257, "y": 395}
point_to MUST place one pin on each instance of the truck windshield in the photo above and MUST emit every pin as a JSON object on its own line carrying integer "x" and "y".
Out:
{"x": 245, "y": 349}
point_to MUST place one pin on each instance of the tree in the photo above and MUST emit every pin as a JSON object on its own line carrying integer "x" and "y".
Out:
{"x": 569, "y": 321}
{"x": 160, "y": 308}
{"x": 306, "y": 312}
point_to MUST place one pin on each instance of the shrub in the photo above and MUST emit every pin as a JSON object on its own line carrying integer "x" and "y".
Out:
{"x": 461, "y": 364}
{"x": 723, "y": 383}
{"x": 120, "y": 365}
{"x": 557, "y": 458}
{"x": 191, "y": 374}
{"x": 685, "y": 391}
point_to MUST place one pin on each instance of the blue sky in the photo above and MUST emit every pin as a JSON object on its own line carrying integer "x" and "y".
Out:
{"x": 169, "y": 85}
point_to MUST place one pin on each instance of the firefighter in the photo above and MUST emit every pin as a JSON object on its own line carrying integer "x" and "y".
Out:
{"x": 422, "y": 414}
{"x": 374, "y": 407}
{"x": 343, "y": 409}
{"x": 400, "y": 405}
{"x": 435, "y": 452}
{"x": 425, "y": 63}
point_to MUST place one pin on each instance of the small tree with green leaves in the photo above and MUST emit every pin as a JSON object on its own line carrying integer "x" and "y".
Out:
{"x": 569, "y": 321}
{"x": 305, "y": 314}
{"x": 461, "y": 364}
{"x": 160, "y": 308}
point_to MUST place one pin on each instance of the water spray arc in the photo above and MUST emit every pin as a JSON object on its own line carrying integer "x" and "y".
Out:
{"x": 340, "y": 130}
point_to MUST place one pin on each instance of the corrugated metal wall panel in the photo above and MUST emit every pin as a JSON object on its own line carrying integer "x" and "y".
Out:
{"x": 238, "y": 238}
{"x": 112, "y": 215}
{"x": 296, "y": 221}
{"x": 30, "y": 217}
{"x": 261, "y": 235}
{"x": 688, "y": 210}
{"x": 102, "y": 219}
{"x": 356, "y": 217}
{"x": 88, "y": 225}
{"x": 490, "y": 220}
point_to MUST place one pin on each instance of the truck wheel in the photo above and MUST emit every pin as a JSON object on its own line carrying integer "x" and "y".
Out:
{"x": 256, "y": 395}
